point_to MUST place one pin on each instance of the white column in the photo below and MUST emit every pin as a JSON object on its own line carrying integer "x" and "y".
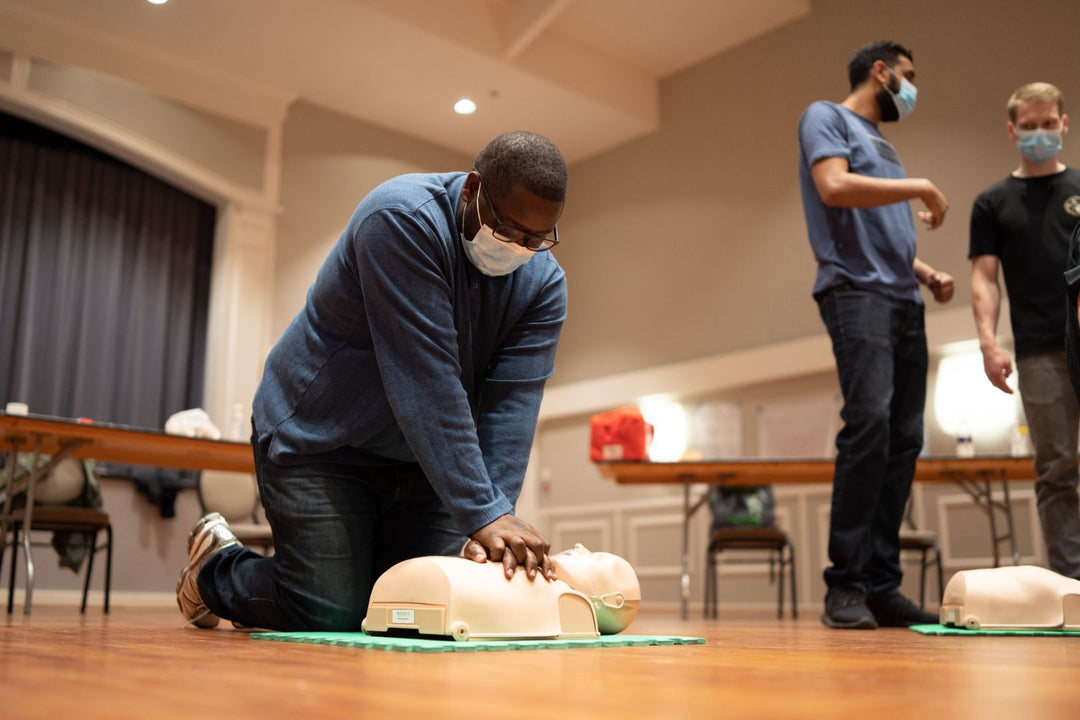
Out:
{"x": 241, "y": 294}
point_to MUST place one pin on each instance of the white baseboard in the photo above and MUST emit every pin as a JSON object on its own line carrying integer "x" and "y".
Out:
{"x": 117, "y": 598}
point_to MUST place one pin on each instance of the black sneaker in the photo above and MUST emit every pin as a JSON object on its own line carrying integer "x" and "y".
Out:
{"x": 894, "y": 610}
{"x": 845, "y": 608}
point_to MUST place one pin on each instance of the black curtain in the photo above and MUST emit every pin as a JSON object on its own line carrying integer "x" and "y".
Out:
{"x": 104, "y": 283}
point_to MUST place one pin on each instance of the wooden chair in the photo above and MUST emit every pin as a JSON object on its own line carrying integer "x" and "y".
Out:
{"x": 236, "y": 497}
{"x": 771, "y": 539}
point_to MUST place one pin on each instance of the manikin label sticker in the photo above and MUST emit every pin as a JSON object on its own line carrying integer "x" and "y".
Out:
{"x": 402, "y": 617}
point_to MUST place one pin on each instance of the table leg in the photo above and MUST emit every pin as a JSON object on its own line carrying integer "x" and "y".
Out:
{"x": 982, "y": 492}
{"x": 1009, "y": 518}
{"x": 684, "y": 586}
{"x": 10, "y": 460}
{"x": 28, "y": 519}
{"x": 688, "y": 512}
{"x": 988, "y": 494}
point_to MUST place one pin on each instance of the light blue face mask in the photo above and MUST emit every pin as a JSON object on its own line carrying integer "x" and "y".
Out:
{"x": 1039, "y": 145}
{"x": 906, "y": 97}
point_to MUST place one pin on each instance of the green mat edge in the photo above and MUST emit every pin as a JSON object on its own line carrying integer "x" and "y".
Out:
{"x": 398, "y": 644}
{"x": 939, "y": 629}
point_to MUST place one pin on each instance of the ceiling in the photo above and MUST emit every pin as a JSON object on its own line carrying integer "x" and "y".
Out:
{"x": 583, "y": 72}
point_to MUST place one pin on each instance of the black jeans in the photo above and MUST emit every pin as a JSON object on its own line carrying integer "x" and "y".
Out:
{"x": 881, "y": 358}
{"x": 336, "y": 529}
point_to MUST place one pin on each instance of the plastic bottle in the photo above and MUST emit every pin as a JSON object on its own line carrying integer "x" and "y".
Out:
{"x": 239, "y": 427}
{"x": 965, "y": 443}
{"x": 1020, "y": 444}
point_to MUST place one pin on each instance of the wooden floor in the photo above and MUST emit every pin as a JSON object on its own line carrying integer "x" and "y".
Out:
{"x": 144, "y": 663}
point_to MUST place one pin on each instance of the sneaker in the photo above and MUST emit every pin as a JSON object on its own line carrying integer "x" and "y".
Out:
{"x": 845, "y": 608}
{"x": 893, "y": 609}
{"x": 208, "y": 537}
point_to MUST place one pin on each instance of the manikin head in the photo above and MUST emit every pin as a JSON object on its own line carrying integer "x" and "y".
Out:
{"x": 608, "y": 581}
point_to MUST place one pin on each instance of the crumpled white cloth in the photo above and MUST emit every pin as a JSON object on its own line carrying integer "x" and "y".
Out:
{"x": 192, "y": 423}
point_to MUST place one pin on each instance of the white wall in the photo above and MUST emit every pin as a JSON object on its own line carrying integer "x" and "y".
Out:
{"x": 691, "y": 242}
{"x": 329, "y": 164}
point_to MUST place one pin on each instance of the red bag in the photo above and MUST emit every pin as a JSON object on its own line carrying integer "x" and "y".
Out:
{"x": 621, "y": 434}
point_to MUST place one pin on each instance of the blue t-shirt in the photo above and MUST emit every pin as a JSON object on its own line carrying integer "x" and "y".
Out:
{"x": 405, "y": 352}
{"x": 871, "y": 248}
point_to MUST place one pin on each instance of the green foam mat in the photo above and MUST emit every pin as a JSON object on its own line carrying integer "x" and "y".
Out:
{"x": 937, "y": 629}
{"x": 402, "y": 644}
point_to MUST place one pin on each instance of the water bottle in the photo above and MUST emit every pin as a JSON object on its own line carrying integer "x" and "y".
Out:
{"x": 1020, "y": 444}
{"x": 239, "y": 427}
{"x": 965, "y": 443}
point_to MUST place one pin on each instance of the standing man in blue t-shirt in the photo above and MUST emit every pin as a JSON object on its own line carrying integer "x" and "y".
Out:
{"x": 1023, "y": 223}
{"x": 855, "y": 197}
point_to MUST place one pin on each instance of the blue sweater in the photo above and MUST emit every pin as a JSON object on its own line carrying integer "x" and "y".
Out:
{"x": 405, "y": 352}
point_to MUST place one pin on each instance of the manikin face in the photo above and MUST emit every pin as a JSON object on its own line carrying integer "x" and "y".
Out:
{"x": 608, "y": 581}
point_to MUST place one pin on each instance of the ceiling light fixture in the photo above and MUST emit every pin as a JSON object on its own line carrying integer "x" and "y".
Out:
{"x": 157, "y": 2}
{"x": 464, "y": 106}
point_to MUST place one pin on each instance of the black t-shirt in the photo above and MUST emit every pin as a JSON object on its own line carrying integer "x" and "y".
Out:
{"x": 1072, "y": 322}
{"x": 1027, "y": 223}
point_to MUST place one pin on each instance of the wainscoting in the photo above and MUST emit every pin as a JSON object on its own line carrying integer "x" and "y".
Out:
{"x": 648, "y": 533}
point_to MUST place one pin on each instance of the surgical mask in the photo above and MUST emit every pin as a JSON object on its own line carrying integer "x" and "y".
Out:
{"x": 1039, "y": 145}
{"x": 897, "y": 105}
{"x": 492, "y": 256}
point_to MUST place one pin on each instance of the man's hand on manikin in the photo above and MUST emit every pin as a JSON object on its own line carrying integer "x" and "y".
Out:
{"x": 514, "y": 543}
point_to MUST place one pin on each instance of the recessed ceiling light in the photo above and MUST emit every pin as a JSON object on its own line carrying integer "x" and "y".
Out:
{"x": 464, "y": 106}
{"x": 157, "y": 2}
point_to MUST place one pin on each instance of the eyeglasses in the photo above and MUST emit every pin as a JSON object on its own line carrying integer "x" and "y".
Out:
{"x": 511, "y": 234}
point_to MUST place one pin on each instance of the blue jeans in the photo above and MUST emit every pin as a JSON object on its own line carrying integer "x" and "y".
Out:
{"x": 336, "y": 529}
{"x": 1053, "y": 414}
{"x": 881, "y": 358}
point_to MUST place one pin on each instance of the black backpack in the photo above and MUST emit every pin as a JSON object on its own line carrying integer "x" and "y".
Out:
{"x": 1072, "y": 291}
{"x": 742, "y": 506}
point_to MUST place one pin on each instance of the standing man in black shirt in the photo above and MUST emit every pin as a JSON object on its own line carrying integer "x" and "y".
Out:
{"x": 1024, "y": 223}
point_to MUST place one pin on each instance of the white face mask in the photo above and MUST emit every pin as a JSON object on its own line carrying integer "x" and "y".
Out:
{"x": 492, "y": 256}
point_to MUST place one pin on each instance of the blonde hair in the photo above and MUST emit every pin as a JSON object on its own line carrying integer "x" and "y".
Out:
{"x": 1036, "y": 92}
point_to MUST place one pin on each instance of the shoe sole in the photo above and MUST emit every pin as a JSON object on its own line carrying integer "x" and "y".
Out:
{"x": 863, "y": 624}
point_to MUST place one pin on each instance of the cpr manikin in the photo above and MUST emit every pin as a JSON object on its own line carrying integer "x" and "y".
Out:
{"x": 454, "y": 596}
{"x": 609, "y": 582}
{"x": 1021, "y": 597}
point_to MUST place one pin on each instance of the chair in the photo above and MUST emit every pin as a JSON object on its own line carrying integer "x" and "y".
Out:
{"x": 769, "y": 538}
{"x": 236, "y": 497}
{"x": 85, "y": 522}
{"x": 922, "y": 541}
{"x": 80, "y": 527}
